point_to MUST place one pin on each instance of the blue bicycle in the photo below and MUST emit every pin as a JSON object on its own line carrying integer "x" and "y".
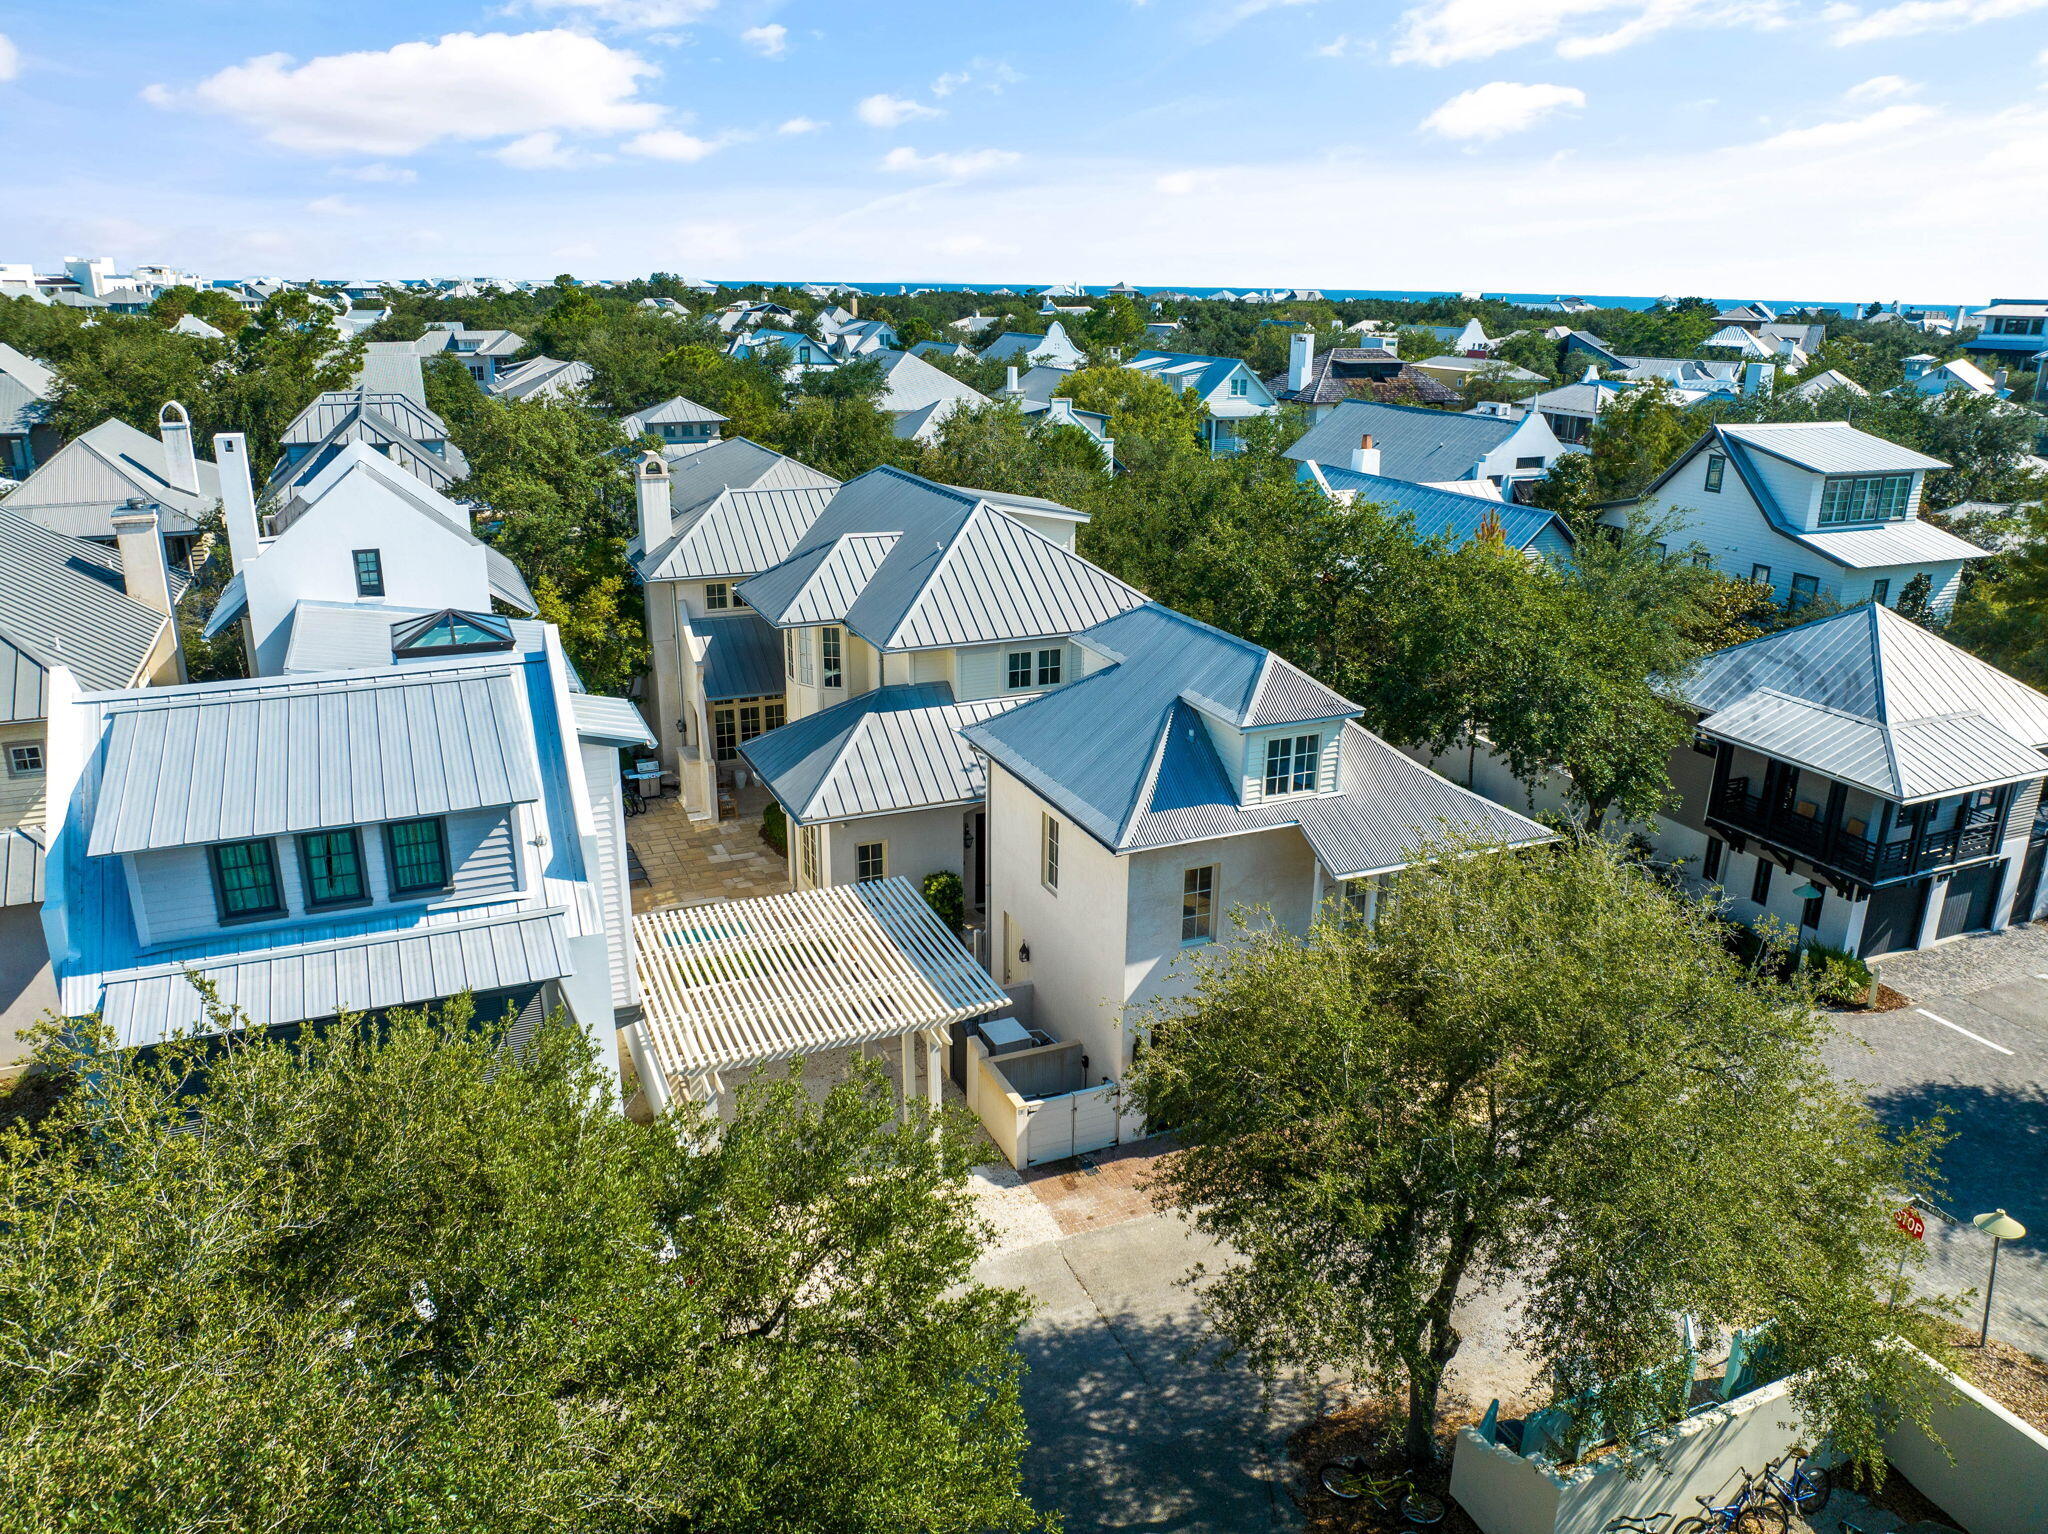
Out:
{"x": 1806, "y": 1490}
{"x": 1753, "y": 1511}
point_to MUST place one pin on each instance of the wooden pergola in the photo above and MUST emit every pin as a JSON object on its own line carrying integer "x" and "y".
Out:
{"x": 746, "y": 983}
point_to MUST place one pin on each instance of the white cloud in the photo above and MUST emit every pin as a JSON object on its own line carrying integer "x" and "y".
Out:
{"x": 1881, "y": 88}
{"x": 886, "y": 111}
{"x": 955, "y": 167}
{"x": 1340, "y": 46}
{"x": 335, "y": 207}
{"x": 673, "y": 144}
{"x": 1499, "y": 108}
{"x": 1854, "y": 130}
{"x": 632, "y": 15}
{"x": 10, "y": 58}
{"x": 990, "y": 75}
{"x": 797, "y": 125}
{"x": 1448, "y": 31}
{"x": 376, "y": 171}
{"x": 971, "y": 245}
{"x": 539, "y": 151}
{"x": 465, "y": 85}
{"x": 1181, "y": 183}
{"x": 1915, "y": 16}
{"x": 712, "y": 240}
{"x": 770, "y": 41}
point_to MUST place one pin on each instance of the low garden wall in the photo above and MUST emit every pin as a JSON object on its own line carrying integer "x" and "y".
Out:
{"x": 1989, "y": 1472}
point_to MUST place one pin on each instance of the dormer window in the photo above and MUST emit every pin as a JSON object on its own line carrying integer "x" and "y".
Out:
{"x": 1240, "y": 386}
{"x": 450, "y": 632}
{"x": 332, "y": 864}
{"x": 1866, "y": 498}
{"x": 1291, "y": 764}
{"x": 245, "y": 884}
{"x": 1717, "y": 470}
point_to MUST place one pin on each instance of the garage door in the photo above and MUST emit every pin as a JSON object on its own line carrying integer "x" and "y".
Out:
{"x": 1971, "y": 895}
{"x": 2028, "y": 895}
{"x": 1893, "y": 922}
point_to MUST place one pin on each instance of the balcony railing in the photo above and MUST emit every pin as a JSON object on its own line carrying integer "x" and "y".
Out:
{"x": 1837, "y": 847}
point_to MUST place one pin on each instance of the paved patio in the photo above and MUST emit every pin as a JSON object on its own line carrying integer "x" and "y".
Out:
{"x": 693, "y": 862}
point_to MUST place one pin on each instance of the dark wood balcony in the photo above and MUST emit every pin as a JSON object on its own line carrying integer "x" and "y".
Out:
{"x": 1822, "y": 841}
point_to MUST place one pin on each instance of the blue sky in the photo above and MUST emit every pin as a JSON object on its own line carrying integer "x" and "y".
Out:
{"x": 1896, "y": 148}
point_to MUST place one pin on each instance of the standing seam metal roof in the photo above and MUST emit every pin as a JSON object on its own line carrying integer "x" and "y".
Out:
{"x": 62, "y": 602}
{"x": 1414, "y": 443}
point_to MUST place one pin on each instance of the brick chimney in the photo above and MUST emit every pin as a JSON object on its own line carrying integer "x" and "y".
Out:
{"x": 238, "y": 498}
{"x": 1301, "y": 361}
{"x": 651, "y": 491}
{"x": 181, "y": 467}
{"x": 1365, "y": 458}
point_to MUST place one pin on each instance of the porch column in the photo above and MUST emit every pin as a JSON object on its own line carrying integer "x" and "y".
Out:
{"x": 934, "y": 1042}
{"x": 908, "y": 1063}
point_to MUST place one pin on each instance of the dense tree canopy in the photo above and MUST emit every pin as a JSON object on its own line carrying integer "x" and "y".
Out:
{"x": 1542, "y": 1068}
{"x": 406, "y": 1278}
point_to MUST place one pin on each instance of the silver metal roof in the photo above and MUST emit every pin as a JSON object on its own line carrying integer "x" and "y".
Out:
{"x": 736, "y": 533}
{"x": 822, "y": 584}
{"x": 1414, "y": 443}
{"x": 1911, "y": 542}
{"x": 78, "y": 488}
{"x": 609, "y": 721}
{"x": 1831, "y": 447}
{"x": 1918, "y": 759}
{"x": 62, "y": 602}
{"x": 670, "y": 412}
{"x": 287, "y": 754}
{"x": 742, "y": 657}
{"x": 891, "y": 749}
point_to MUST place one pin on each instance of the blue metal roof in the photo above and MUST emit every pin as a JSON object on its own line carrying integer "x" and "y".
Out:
{"x": 742, "y": 658}
{"x": 609, "y": 721}
{"x": 1205, "y": 375}
{"x": 1446, "y": 513}
{"x": 1414, "y": 443}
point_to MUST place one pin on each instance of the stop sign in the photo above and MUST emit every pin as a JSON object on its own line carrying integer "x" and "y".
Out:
{"x": 1909, "y": 1220}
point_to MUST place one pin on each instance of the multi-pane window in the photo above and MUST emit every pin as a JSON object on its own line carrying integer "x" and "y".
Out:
{"x": 1866, "y": 498}
{"x": 369, "y": 572}
{"x": 1761, "y": 574}
{"x": 1361, "y": 898}
{"x": 24, "y": 761}
{"x": 332, "y": 863}
{"x": 1805, "y": 588}
{"x": 724, "y": 735}
{"x": 1880, "y": 591}
{"x": 1018, "y": 669}
{"x": 733, "y": 724}
{"x": 1240, "y": 386}
{"x": 807, "y": 850}
{"x": 1291, "y": 764}
{"x": 1810, "y": 909}
{"x": 796, "y": 656}
{"x": 830, "y": 668}
{"x": 1049, "y": 853}
{"x": 1198, "y": 905}
{"x": 245, "y": 880}
{"x": 1717, "y": 470}
{"x": 1049, "y": 663}
{"x": 870, "y": 861}
{"x": 416, "y": 852}
{"x": 717, "y": 596}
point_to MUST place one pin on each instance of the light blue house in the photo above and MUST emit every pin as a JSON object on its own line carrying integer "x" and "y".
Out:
{"x": 1054, "y": 349}
{"x": 1230, "y": 392}
{"x": 2015, "y": 328}
{"x": 1430, "y": 447}
{"x": 803, "y": 352}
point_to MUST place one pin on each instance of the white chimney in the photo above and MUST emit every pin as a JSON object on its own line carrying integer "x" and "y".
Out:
{"x": 1010, "y": 384}
{"x": 1998, "y": 379}
{"x": 1365, "y": 458}
{"x": 651, "y": 490}
{"x": 1591, "y": 375}
{"x": 238, "y": 498}
{"x": 181, "y": 468}
{"x": 1757, "y": 377}
{"x": 142, "y": 556}
{"x": 1062, "y": 410}
{"x": 1301, "y": 361}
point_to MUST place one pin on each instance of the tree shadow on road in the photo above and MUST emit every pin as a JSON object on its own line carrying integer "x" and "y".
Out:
{"x": 1998, "y": 1156}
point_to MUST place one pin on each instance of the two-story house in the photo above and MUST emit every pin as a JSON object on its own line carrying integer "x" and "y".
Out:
{"x": 1054, "y": 349}
{"x": 1229, "y": 391}
{"x": 543, "y": 378}
{"x": 403, "y": 430}
{"x": 1429, "y": 447}
{"x": 2011, "y": 327}
{"x": 1318, "y": 382}
{"x": 361, "y": 529}
{"x": 105, "y": 615}
{"x": 908, "y": 610}
{"x": 486, "y": 353}
{"x": 1958, "y": 375}
{"x": 680, "y": 425}
{"x": 1813, "y": 510}
{"x": 1866, "y": 783}
{"x": 95, "y": 477}
{"x": 707, "y": 521}
{"x": 26, "y": 387}
{"x": 1185, "y": 774}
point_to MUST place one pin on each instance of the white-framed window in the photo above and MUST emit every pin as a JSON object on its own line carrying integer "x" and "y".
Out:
{"x": 1050, "y": 663}
{"x": 1866, "y": 498}
{"x": 807, "y": 853}
{"x": 1240, "y": 386}
{"x": 1049, "y": 853}
{"x": 831, "y": 669}
{"x": 870, "y": 862}
{"x": 796, "y": 656}
{"x": 1017, "y": 669}
{"x": 1198, "y": 905}
{"x": 1291, "y": 763}
{"x": 1361, "y": 900}
{"x": 1717, "y": 470}
{"x": 25, "y": 761}
{"x": 717, "y": 596}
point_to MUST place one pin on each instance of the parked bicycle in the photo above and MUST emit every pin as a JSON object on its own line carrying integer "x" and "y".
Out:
{"x": 1806, "y": 1490}
{"x": 1637, "y": 1523}
{"x": 1348, "y": 1480}
{"x": 1752, "y": 1511}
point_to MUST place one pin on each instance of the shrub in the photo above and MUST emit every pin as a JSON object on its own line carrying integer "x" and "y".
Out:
{"x": 1840, "y": 979}
{"x": 945, "y": 894}
{"x": 775, "y": 829}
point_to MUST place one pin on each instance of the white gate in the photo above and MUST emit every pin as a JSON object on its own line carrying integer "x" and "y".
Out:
{"x": 1071, "y": 1124}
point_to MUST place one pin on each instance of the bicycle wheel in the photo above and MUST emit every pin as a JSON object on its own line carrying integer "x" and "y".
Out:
{"x": 1343, "y": 1479}
{"x": 1811, "y": 1490}
{"x": 1421, "y": 1507}
{"x": 1696, "y": 1526}
{"x": 1762, "y": 1517}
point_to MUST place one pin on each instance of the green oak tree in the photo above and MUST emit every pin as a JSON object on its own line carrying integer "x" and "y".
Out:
{"x": 1540, "y": 1069}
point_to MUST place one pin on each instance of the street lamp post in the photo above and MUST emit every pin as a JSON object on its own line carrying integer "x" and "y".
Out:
{"x": 2000, "y": 1227}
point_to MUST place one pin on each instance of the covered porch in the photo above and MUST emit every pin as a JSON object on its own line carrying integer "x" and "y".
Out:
{"x": 729, "y": 988}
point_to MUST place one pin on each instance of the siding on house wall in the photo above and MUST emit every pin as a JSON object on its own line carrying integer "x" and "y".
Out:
{"x": 982, "y": 671}
{"x": 1796, "y": 491}
{"x": 172, "y": 889}
{"x": 21, "y": 799}
{"x": 1057, "y": 529}
{"x": 1252, "y": 765}
{"x": 1732, "y": 528}
{"x": 601, "y": 773}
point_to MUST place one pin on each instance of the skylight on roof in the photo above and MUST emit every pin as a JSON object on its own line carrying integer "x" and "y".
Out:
{"x": 450, "y": 632}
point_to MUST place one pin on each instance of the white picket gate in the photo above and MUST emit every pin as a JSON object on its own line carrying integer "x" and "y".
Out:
{"x": 1070, "y": 1124}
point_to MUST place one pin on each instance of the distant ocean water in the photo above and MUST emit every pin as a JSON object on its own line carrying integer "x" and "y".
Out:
{"x": 1598, "y": 300}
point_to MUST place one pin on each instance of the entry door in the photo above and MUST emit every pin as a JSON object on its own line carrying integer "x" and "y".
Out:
{"x": 1971, "y": 896}
{"x": 2030, "y": 882}
{"x": 979, "y": 821}
{"x": 1893, "y": 921}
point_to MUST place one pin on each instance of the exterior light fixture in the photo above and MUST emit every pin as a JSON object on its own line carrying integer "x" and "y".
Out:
{"x": 2000, "y": 1227}
{"x": 1809, "y": 891}
{"x": 1023, "y": 953}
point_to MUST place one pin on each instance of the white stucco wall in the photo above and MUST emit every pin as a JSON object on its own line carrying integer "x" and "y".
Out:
{"x": 1268, "y": 871}
{"x": 916, "y": 843}
{"x": 1990, "y": 1470}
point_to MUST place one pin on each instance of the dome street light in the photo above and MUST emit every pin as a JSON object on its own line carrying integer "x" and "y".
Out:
{"x": 2000, "y": 1227}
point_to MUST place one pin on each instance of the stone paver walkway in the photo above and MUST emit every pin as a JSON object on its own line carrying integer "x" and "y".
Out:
{"x": 1971, "y": 963}
{"x": 692, "y": 862}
